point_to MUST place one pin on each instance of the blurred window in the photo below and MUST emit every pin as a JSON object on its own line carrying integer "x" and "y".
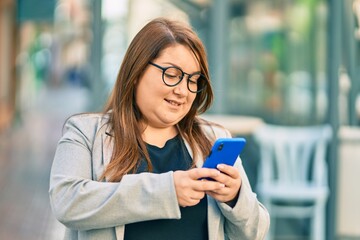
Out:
{"x": 277, "y": 61}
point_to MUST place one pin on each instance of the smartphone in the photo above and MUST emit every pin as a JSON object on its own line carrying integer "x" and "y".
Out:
{"x": 224, "y": 150}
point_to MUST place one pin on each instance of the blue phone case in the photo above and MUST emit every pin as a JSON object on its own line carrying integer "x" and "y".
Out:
{"x": 224, "y": 150}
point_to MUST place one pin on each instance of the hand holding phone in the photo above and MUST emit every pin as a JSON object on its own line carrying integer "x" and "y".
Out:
{"x": 224, "y": 150}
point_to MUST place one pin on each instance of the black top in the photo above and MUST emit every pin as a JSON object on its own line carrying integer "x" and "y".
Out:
{"x": 193, "y": 223}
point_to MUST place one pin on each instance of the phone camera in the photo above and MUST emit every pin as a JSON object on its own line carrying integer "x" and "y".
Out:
{"x": 220, "y": 146}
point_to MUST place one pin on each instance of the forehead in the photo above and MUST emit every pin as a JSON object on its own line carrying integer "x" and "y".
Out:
{"x": 179, "y": 55}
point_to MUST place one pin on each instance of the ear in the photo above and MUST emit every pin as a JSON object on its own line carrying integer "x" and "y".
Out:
{"x": 135, "y": 84}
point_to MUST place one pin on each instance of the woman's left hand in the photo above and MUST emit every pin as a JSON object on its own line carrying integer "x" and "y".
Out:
{"x": 229, "y": 176}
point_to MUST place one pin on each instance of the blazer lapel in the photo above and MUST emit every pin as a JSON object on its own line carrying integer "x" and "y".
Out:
{"x": 213, "y": 218}
{"x": 107, "y": 147}
{"x": 213, "y": 210}
{"x": 107, "y": 142}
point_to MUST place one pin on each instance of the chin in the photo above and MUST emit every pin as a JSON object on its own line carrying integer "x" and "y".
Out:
{"x": 171, "y": 122}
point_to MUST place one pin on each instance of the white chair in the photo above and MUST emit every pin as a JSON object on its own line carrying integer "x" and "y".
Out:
{"x": 293, "y": 176}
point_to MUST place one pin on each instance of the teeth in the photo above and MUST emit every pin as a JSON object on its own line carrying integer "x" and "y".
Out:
{"x": 173, "y": 103}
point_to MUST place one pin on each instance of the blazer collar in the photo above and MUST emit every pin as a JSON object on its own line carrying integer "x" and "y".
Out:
{"x": 108, "y": 146}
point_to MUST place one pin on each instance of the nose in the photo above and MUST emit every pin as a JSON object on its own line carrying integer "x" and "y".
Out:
{"x": 182, "y": 88}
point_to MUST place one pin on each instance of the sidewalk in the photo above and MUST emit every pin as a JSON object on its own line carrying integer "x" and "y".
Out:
{"x": 26, "y": 154}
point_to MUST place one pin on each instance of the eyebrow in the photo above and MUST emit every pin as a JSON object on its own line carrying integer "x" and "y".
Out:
{"x": 175, "y": 65}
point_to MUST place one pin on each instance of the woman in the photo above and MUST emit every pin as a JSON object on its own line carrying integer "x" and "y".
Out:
{"x": 134, "y": 171}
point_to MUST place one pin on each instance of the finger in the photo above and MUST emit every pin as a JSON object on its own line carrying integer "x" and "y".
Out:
{"x": 199, "y": 173}
{"x": 197, "y": 195}
{"x": 229, "y": 170}
{"x": 224, "y": 179}
{"x": 205, "y": 185}
{"x": 221, "y": 196}
{"x": 216, "y": 196}
{"x": 190, "y": 202}
{"x": 222, "y": 191}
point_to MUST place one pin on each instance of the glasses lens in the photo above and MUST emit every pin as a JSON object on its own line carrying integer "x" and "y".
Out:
{"x": 195, "y": 82}
{"x": 172, "y": 76}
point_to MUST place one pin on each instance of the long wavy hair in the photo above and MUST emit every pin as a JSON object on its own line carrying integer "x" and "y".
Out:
{"x": 124, "y": 114}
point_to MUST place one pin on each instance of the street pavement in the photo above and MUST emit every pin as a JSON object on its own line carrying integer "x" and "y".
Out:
{"x": 26, "y": 152}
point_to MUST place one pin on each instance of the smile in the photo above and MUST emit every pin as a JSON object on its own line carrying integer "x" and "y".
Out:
{"x": 173, "y": 102}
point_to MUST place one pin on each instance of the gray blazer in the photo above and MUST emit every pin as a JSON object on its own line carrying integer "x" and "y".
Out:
{"x": 99, "y": 210}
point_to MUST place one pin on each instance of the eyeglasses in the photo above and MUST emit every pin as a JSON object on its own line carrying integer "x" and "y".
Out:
{"x": 172, "y": 76}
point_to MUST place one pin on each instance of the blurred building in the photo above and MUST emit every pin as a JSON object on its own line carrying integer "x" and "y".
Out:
{"x": 7, "y": 53}
{"x": 286, "y": 62}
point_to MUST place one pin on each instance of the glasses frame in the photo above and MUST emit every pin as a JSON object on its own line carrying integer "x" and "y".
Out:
{"x": 182, "y": 77}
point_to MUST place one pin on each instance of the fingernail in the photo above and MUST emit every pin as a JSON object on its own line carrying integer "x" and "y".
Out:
{"x": 222, "y": 185}
{"x": 220, "y": 166}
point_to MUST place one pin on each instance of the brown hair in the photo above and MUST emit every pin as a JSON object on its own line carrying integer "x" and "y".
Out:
{"x": 123, "y": 112}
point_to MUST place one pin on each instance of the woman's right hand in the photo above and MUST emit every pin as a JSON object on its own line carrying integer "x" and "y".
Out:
{"x": 191, "y": 187}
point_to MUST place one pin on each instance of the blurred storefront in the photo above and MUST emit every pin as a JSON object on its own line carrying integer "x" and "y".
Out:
{"x": 7, "y": 52}
{"x": 268, "y": 58}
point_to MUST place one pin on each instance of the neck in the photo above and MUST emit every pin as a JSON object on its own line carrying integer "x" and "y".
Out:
{"x": 159, "y": 136}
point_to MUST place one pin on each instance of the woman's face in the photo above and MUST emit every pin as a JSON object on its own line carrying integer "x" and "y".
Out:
{"x": 161, "y": 105}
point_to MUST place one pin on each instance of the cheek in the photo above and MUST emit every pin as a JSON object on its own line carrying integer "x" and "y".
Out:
{"x": 147, "y": 94}
{"x": 143, "y": 88}
{"x": 149, "y": 85}
{"x": 191, "y": 100}
{"x": 140, "y": 96}
{"x": 194, "y": 104}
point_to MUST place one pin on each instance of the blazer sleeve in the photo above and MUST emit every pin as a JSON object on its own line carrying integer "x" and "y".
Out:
{"x": 248, "y": 219}
{"x": 83, "y": 204}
